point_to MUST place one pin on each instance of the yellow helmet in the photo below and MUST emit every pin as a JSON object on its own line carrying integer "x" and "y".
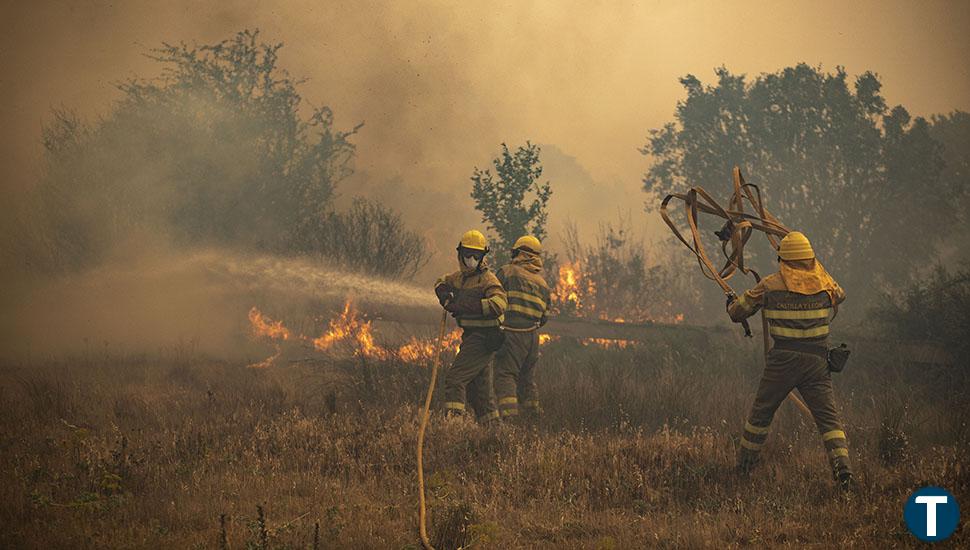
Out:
{"x": 528, "y": 242}
{"x": 473, "y": 240}
{"x": 795, "y": 246}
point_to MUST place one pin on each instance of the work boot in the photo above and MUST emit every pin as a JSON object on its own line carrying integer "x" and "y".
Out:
{"x": 529, "y": 417}
{"x": 490, "y": 420}
{"x": 747, "y": 460}
{"x": 455, "y": 417}
{"x": 845, "y": 481}
{"x": 454, "y": 413}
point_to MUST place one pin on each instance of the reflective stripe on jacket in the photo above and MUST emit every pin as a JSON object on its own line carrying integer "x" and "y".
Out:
{"x": 790, "y": 315}
{"x": 490, "y": 291}
{"x": 527, "y": 291}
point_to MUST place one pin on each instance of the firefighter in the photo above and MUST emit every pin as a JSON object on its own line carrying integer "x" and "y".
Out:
{"x": 477, "y": 301}
{"x": 798, "y": 301}
{"x": 528, "y": 294}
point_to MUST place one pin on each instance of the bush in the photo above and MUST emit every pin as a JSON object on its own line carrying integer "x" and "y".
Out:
{"x": 935, "y": 309}
{"x": 370, "y": 238}
{"x": 613, "y": 281}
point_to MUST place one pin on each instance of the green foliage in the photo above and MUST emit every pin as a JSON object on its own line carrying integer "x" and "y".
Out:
{"x": 215, "y": 151}
{"x": 832, "y": 160}
{"x": 512, "y": 201}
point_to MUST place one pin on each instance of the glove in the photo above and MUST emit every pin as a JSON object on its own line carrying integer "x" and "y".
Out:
{"x": 724, "y": 233}
{"x": 466, "y": 301}
{"x": 445, "y": 293}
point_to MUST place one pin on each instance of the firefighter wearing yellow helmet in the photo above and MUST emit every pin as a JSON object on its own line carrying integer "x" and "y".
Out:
{"x": 477, "y": 301}
{"x": 515, "y": 364}
{"x": 798, "y": 301}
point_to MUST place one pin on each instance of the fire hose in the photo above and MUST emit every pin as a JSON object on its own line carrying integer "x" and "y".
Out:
{"x": 435, "y": 361}
{"x": 733, "y": 235}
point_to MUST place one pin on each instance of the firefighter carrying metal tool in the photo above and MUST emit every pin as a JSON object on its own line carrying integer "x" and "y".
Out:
{"x": 477, "y": 300}
{"x": 515, "y": 363}
{"x": 799, "y": 302}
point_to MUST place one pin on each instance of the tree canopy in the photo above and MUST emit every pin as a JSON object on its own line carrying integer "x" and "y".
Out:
{"x": 220, "y": 148}
{"x": 861, "y": 179}
{"x": 512, "y": 201}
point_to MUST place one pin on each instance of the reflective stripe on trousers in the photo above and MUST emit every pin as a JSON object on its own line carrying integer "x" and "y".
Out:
{"x": 469, "y": 379}
{"x": 509, "y": 405}
{"x": 786, "y": 371}
{"x": 515, "y": 367}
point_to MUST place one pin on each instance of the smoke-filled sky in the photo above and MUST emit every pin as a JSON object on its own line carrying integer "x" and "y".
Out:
{"x": 440, "y": 84}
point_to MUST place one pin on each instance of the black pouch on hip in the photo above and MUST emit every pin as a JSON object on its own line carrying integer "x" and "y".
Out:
{"x": 837, "y": 358}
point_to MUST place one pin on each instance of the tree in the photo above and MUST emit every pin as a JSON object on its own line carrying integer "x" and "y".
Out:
{"x": 858, "y": 178}
{"x": 214, "y": 151}
{"x": 512, "y": 202}
{"x": 953, "y": 133}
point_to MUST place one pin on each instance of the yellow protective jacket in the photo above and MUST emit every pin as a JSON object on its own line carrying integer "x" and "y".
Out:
{"x": 486, "y": 286}
{"x": 528, "y": 293}
{"x": 799, "y": 301}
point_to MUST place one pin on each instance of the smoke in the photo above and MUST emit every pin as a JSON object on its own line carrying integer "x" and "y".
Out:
{"x": 441, "y": 84}
{"x": 438, "y": 87}
{"x": 188, "y": 301}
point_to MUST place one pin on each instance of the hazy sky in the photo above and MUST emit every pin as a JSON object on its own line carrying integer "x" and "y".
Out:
{"x": 440, "y": 84}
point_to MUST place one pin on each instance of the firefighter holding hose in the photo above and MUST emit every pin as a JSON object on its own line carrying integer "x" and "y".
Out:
{"x": 477, "y": 301}
{"x": 515, "y": 364}
{"x": 798, "y": 302}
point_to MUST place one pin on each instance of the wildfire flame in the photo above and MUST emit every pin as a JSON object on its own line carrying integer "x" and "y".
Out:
{"x": 268, "y": 362}
{"x": 347, "y": 329}
{"x": 575, "y": 294}
{"x": 567, "y": 291}
{"x": 607, "y": 343}
{"x": 264, "y": 327}
{"x": 421, "y": 350}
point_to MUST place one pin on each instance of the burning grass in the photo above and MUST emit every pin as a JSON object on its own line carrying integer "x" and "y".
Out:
{"x": 636, "y": 448}
{"x": 611, "y": 281}
{"x": 347, "y": 333}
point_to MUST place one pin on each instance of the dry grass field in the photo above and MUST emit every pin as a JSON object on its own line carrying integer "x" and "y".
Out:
{"x": 636, "y": 449}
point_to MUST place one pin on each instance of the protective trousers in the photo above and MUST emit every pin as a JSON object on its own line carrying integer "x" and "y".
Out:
{"x": 472, "y": 373}
{"x": 515, "y": 367}
{"x": 785, "y": 371}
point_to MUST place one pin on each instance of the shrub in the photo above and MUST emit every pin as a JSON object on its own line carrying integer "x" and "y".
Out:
{"x": 613, "y": 280}
{"x": 369, "y": 237}
{"x": 934, "y": 309}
